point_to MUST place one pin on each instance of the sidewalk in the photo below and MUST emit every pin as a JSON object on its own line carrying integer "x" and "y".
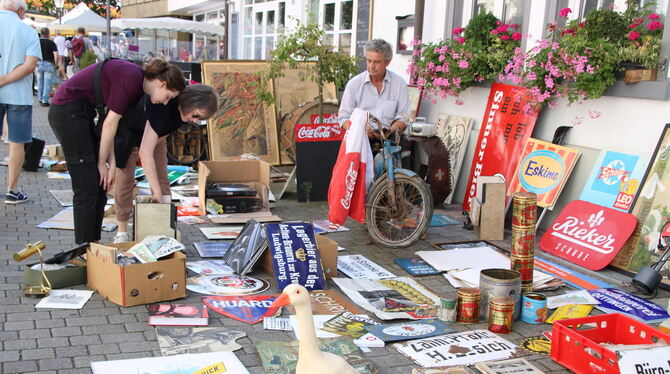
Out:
{"x": 66, "y": 341}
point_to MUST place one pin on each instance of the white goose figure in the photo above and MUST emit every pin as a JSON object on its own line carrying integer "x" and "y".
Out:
{"x": 310, "y": 358}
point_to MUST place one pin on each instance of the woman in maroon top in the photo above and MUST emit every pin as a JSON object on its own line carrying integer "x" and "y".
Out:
{"x": 89, "y": 151}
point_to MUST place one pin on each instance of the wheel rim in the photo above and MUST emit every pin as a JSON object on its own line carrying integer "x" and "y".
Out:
{"x": 401, "y": 222}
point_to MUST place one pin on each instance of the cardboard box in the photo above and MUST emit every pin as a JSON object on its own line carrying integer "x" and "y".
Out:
{"x": 61, "y": 278}
{"x": 155, "y": 219}
{"x": 488, "y": 208}
{"x": 237, "y": 171}
{"x": 55, "y": 152}
{"x": 137, "y": 284}
{"x": 327, "y": 252}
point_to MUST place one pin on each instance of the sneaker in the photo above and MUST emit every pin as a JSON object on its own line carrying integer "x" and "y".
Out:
{"x": 14, "y": 198}
{"x": 122, "y": 237}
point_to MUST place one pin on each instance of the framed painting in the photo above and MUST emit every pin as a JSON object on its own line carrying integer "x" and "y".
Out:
{"x": 414, "y": 94}
{"x": 652, "y": 212}
{"x": 243, "y": 124}
{"x": 454, "y": 131}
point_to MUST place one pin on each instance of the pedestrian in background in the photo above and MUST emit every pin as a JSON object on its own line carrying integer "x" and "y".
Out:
{"x": 46, "y": 69}
{"x": 19, "y": 53}
{"x": 97, "y": 49}
{"x": 61, "y": 63}
{"x": 78, "y": 48}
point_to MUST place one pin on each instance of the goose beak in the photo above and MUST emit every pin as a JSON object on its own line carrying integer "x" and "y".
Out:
{"x": 282, "y": 300}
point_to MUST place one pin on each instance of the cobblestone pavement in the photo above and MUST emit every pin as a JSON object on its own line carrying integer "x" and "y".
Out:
{"x": 66, "y": 341}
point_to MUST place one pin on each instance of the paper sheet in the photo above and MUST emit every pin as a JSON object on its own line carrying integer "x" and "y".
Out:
{"x": 463, "y": 258}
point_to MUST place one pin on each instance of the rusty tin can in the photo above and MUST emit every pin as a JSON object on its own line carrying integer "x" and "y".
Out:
{"x": 523, "y": 241}
{"x": 468, "y": 305}
{"x": 447, "y": 312}
{"x": 524, "y": 209}
{"x": 534, "y": 308}
{"x": 499, "y": 282}
{"x": 501, "y": 314}
{"x": 525, "y": 266}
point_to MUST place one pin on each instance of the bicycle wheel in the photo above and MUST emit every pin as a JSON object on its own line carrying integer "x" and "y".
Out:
{"x": 404, "y": 225}
{"x": 187, "y": 145}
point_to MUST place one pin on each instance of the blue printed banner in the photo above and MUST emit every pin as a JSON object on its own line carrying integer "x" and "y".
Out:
{"x": 614, "y": 180}
{"x": 295, "y": 256}
{"x": 614, "y": 300}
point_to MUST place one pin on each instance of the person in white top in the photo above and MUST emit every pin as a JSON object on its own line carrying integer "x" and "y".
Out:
{"x": 62, "y": 54}
{"x": 96, "y": 48}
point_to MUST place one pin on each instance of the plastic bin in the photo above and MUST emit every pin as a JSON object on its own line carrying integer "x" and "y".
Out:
{"x": 577, "y": 347}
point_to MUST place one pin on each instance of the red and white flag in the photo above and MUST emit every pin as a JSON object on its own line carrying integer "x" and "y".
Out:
{"x": 352, "y": 174}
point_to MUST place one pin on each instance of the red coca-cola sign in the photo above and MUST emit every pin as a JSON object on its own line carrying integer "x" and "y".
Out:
{"x": 327, "y": 118}
{"x": 323, "y": 132}
{"x": 587, "y": 234}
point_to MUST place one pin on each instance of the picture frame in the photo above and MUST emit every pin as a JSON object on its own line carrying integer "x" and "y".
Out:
{"x": 242, "y": 124}
{"x": 650, "y": 209}
{"x": 414, "y": 93}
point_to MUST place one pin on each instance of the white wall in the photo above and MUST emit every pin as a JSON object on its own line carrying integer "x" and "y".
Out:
{"x": 632, "y": 125}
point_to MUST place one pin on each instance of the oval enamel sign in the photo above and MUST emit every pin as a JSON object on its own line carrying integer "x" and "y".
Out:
{"x": 541, "y": 171}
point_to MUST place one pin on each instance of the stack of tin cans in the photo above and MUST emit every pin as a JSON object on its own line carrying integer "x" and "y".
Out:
{"x": 524, "y": 219}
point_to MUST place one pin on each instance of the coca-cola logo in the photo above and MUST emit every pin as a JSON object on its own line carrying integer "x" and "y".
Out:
{"x": 320, "y": 132}
{"x": 350, "y": 183}
{"x": 588, "y": 234}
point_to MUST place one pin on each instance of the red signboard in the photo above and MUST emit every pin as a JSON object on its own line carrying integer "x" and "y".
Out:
{"x": 323, "y": 132}
{"x": 505, "y": 128}
{"x": 327, "y": 118}
{"x": 587, "y": 234}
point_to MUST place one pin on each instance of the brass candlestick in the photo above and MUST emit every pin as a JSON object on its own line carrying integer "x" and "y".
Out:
{"x": 45, "y": 286}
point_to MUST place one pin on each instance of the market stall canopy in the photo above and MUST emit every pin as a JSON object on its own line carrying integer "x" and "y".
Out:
{"x": 168, "y": 24}
{"x": 80, "y": 16}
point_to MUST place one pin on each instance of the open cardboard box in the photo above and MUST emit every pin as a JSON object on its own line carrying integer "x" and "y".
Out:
{"x": 136, "y": 284}
{"x": 327, "y": 252}
{"x": 237, "y": 171}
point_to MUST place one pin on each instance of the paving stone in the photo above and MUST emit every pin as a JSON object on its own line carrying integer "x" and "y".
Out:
{"x": 86, "y": 321}
{"x": 27, "y": 316}
{"x": 49, "y": 323}
{"x": 20, "y": 344}
{"x": 36, "y": 354}
{"x": 122, "y": 338}
{"x": 53, "y": 342}
{"x": 85, "y": 361}
{"x": 7, "y": 355}
{"x": 66, "y": 331}
{"x": 68, "y": 351}
{"x": 35, "y": 334}
{"x": 138, "y": 347}
{"x": 56, "y": 363}
{"x": 85, "y": 340}
{"x": 104, "y": 349}
{"x": 19, "y": 367}
{"x": 18, "y": 325}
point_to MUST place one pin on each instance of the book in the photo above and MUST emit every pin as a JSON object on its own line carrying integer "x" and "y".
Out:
{"x": 212, "y": 249}
{"x": 247, "y": 247}
{"x": 178, "y": 315}
{"x": 221, "y": 232}
{"x": 186, "y": 339}
{"x": 416, "y": 266}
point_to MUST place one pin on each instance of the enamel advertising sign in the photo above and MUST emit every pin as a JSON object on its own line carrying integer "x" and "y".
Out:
{"x": 248, "y": 309}
{"x": 506, "y": 126}
{"x": 588, "y": 235}
{"x": 614, "y": 180}
{"x": 543, "y": 169}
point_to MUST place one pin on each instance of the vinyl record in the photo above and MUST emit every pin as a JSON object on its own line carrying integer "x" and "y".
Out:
{"x": 225, "y": 285}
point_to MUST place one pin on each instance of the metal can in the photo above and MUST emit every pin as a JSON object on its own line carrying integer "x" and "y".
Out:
{"x": 524, "y": 209}
{"x": 499, "y": 282}
{"x": 534, "y": 308}
{"x": 447, "y": 312}
{"x": 501, "y": 312}
{"x": 524, "y": 265}
{"x": 523, "y": 241}
{"x": 468, "y": 305}
{"x": 526, "y": 287}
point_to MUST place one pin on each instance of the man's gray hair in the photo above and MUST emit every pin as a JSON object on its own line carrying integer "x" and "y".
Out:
{"x": 380, "y": 46}
{"x": 13, "y": 4}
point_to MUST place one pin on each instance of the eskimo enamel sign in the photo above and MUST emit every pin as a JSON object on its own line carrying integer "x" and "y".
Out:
{"x": 587, "y": 234}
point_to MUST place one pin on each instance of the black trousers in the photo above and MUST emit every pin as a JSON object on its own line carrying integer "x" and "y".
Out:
{"x": 74, "y": 126}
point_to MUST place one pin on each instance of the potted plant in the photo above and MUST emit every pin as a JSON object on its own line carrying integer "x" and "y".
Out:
{"x": 474, "y": 54}
{"x": 640, "y": 55}
{"x": 307, "y": 43}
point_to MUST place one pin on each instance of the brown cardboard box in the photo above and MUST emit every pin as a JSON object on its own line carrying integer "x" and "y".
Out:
{"x": 488, "y": 208}
{"x": 55, "y": 152}
{"x": 137, "y": 284}
{"x": 327, "y": 252}
{"x": 155, "y": 219}
{"x": 239, "y": 171}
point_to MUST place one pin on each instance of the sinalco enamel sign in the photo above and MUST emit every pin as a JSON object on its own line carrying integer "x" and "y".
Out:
{"x": 543, "y": 170}
{"x": 587, "y": 234}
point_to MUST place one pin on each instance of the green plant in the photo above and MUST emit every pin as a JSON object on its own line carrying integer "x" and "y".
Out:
{"x": 88, "y": 58}
{"x": 476, "y": 53}
{"x": 307, "y": 43}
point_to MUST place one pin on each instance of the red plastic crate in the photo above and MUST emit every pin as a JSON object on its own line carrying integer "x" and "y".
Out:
{"x": 577, "y": 348}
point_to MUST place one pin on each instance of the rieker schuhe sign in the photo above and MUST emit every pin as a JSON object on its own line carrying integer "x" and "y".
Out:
{"x": 587, "y": 234}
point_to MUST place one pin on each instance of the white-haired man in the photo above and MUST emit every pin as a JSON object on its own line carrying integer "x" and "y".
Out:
{"x": 378, "y": 91}
{"x": 19, "y": 53}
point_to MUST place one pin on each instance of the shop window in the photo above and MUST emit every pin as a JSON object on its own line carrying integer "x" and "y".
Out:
{"x": 336, "y": 18}
{"x": 509, "y": 11}
{"x": 262, "y": 22}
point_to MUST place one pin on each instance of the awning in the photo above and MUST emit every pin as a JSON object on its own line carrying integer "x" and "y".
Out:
{"x": 168, "y": 24}
{"x": 80, "y": 16}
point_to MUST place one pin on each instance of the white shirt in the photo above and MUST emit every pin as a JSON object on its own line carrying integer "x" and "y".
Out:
{"x": 60, "y": 44}
{"x": 391, "y": 104}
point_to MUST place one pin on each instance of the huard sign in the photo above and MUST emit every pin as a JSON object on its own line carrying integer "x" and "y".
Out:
{"x": 587, "y": 234}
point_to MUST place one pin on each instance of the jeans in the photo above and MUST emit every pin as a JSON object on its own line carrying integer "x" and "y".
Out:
{"x": 19, "y": 122}
{"x": 45, "y": 75}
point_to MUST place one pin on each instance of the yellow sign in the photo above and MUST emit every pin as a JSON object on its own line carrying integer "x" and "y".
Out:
{"x": 217, "y": 368}
{"x": 537, "y": 344}
{"x": 570, "y": 311}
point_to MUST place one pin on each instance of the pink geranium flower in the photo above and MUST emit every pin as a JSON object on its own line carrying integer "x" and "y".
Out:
{"x": 457, "y": 30}
{"x": 654, "y": 16}
{"x": 516, "y": 36}
{"x": 565, "y": 12}
{"x": 633, "y": 35}
{"x": 460, "y": 40}
{"x": 655, "y": 25}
